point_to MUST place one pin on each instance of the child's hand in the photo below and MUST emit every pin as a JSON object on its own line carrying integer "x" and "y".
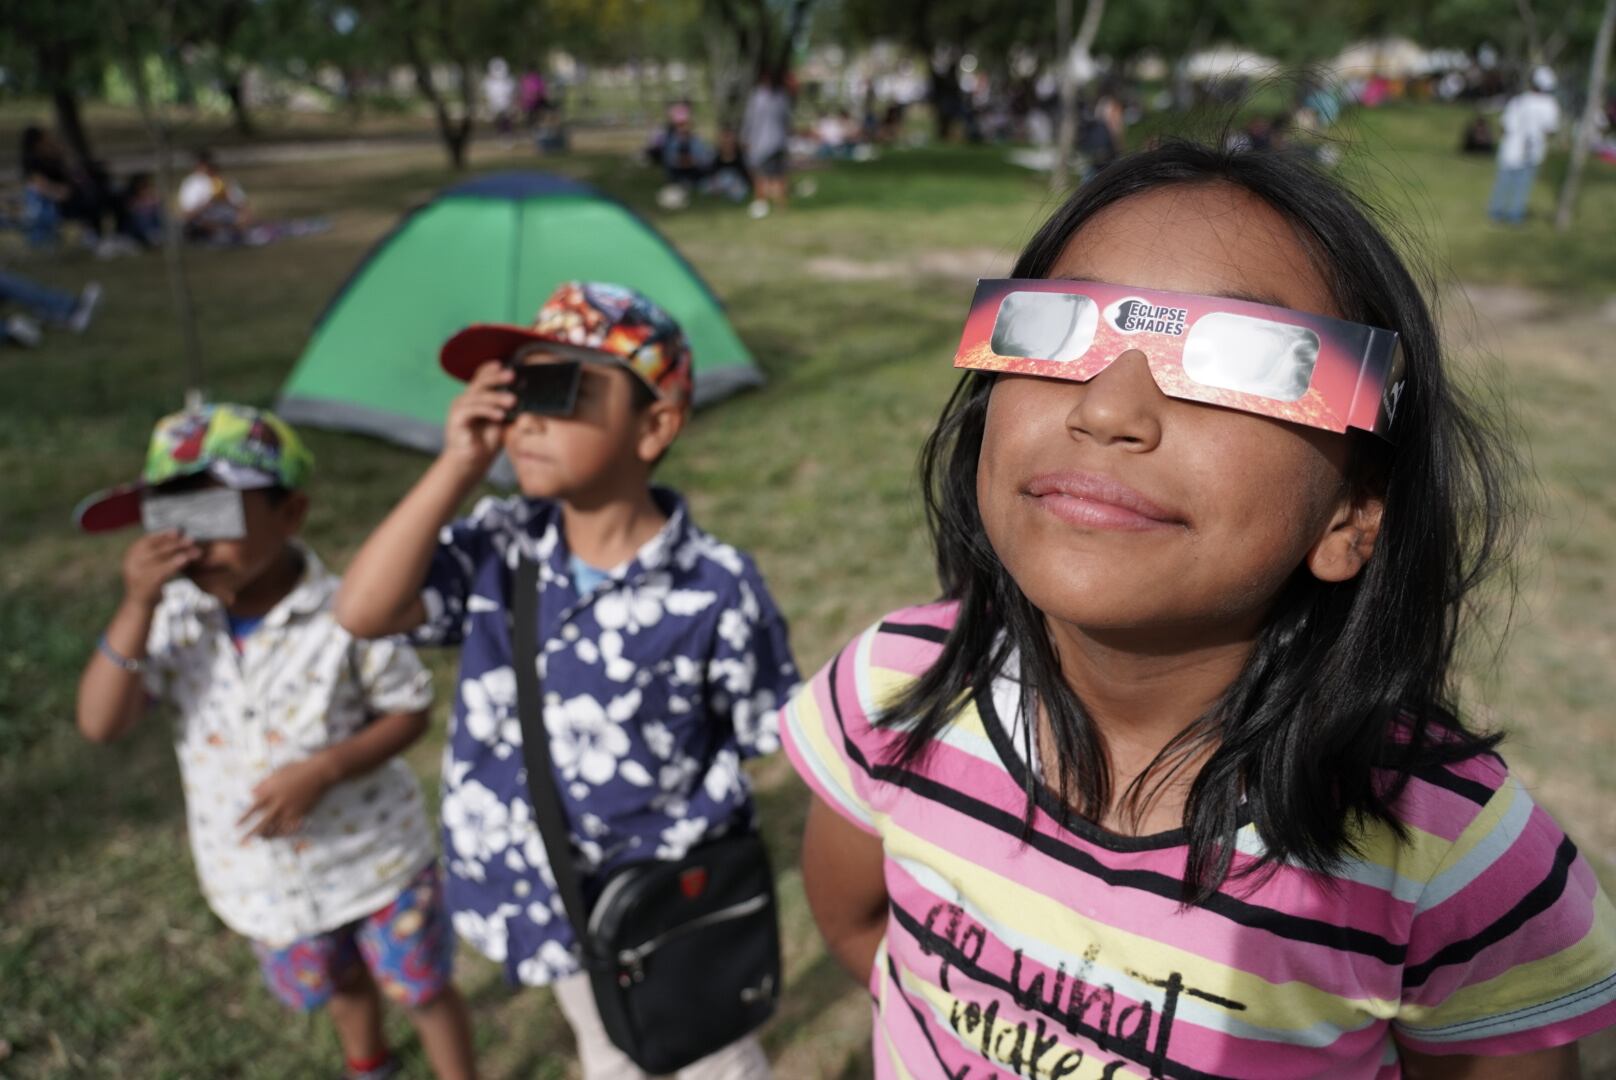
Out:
{"x": 475, "y": 430}
{"x": 152, "y": 561}
{"x": 284, "y": 798}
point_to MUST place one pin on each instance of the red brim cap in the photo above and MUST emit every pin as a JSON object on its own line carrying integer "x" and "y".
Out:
{"x": 114, "y": 508}
{"x": 475, "y": 346}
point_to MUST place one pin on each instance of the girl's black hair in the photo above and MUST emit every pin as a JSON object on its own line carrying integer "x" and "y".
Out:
{"x": 1348, "y": 690}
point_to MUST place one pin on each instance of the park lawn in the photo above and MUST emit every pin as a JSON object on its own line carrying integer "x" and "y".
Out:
{"x": 110, "y": 963}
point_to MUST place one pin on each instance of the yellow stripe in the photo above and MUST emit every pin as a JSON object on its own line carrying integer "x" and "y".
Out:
{"x": 1001, "y": 1037}
{"x": 882, "y": 684}
{"x": 1066, "y": 932}
{"x": 821, "y": 745}
{"x": 1520, "y": 987}
{"x": 1417, "y": 858}
{"x": 1485, "y": 822}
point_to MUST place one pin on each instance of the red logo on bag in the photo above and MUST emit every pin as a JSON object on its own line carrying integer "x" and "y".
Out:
{"x": 693, "y": 882}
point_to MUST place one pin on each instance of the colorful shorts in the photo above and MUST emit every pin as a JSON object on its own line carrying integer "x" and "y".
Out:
{"x": 407, "y": 945}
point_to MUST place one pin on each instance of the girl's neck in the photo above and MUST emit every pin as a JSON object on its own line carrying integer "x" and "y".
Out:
{"x": 610, "y": 531}
{"x": 1140, "y": 695}
{"x": 1148, "y": 691}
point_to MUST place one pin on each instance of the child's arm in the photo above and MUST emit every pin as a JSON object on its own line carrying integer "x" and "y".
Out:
{"x": 284, "y": 799}
{"x": 1558, "y": 1063}
{"x": 112, "y": 695}
{"x": 395, "y": 689}
{"x": 381, "y": 590}
{"x": 843, "y": 875}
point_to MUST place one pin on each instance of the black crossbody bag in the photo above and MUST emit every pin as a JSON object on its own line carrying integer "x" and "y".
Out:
{"x": 683, "y": 956}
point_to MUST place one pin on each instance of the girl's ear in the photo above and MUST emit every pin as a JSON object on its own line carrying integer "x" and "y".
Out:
{"x": 660, "y": 424}
{"x": 1350, "y": 539}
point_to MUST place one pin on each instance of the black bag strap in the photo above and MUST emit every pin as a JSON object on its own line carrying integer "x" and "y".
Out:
{"x": 541, "y": 781}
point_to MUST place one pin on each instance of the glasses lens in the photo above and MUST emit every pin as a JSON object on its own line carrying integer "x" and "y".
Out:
{"x": 210, "y": 514}
{"x": 1251, "y": 356}
{"x": 549, "y": 389}
{"x": 1045, "y": 326}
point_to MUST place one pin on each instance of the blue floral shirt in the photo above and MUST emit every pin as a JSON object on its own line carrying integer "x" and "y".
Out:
{"x": 656, "y": 684}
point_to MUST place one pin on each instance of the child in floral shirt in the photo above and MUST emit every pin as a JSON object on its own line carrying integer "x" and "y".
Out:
{"x": 308, "y": 830}
{"x": 663, "y": 655}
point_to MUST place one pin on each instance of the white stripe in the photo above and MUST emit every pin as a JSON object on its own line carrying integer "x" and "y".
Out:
{"x": 1492, "y": 847}
{"x": 1203, "y": 1014}
{"x": 1546, "y": 1014}
{"x": 845, "y": 799}
{"x": 1359, "y": 871}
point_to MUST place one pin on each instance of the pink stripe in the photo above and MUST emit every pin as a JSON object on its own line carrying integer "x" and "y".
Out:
{"x": 799, "y": 761}
{"x": 1126, "y": 1022}
{"x": 1521, "y": 1042}
{"x": 1489, "y": 895}
{"x": 1436, "y": 810}
{"x": 1566, "y": 923}
{"x": 1196, "y": 931}
{"x": 906, "y": 655}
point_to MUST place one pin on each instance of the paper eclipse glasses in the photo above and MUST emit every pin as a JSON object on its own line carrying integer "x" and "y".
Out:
{"x": 1272, "y": 361}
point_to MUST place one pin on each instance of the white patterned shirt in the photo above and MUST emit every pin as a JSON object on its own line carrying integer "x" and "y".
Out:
{"x": 299, "y": 684}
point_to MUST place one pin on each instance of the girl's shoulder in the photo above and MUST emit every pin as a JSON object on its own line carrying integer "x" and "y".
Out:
{"x": 902, "y": 644}
{"x": 877, "y": 664}
{"x": 1448, "y": 778}
{"x": 1443, "y": 797}
{"x": 1461, "y": 821}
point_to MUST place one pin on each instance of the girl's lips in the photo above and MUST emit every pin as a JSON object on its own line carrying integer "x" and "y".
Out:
{"x": 1091, "y": 501}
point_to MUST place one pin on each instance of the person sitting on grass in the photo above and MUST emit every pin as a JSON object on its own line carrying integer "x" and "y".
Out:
{"x": 730, "y": 178}
{"x": 43, "y": 304}
{"x": 663, "y": 654}
{"x": 308, "y": 830}
{"x": 140, "y": 211}
{"x": 213, "y": 209}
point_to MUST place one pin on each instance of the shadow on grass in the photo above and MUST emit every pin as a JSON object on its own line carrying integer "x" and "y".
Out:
{"x": 820, "y": 986}
{"x": 72, "y": 794}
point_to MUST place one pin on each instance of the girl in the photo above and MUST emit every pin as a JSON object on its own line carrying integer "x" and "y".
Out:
{"x": 1169, "y": 783}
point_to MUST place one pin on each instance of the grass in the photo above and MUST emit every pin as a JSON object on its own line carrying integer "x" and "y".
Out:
{"x": 110, "y": 963}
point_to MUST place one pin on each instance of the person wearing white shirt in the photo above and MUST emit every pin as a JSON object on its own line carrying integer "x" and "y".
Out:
{"x": 212, "y": 207}
{"x": 308, "y": 830}
{"x": 1529, "y": 119}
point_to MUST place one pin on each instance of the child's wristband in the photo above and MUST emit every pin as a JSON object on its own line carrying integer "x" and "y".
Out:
{"x": 104, "y": 647}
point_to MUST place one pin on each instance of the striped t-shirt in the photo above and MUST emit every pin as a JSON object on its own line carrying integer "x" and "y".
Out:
{"x": 1064, "y": 952}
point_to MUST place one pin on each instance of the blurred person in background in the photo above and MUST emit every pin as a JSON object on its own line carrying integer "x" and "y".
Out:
{"x": 1529, "y": 118}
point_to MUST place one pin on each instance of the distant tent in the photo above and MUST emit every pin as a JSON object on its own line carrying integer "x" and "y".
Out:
{"x": 487, "y": 250}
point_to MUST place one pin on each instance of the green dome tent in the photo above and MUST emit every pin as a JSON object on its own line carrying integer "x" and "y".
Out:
{"x": 487, "y": 250}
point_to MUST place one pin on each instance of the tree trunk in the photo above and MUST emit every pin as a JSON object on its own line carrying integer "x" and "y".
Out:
{"x": 724, "y": 77}
{"x": 56, "y": 72}
{"x": 456, "y": 141}
{"x": 945, "y": 96}
{"x": 794, "y": 27}
{"x": 1589, "y": 120}
{"x": 455, "y": 134}
{"x": 232, "y": 82}
{"x": 1066, "y": 118}
{"x": 70, "y": 124}
{"x": 1066, "y": 134}
{"x": 179, "y": 285}
{"x": 1534, "y": 44}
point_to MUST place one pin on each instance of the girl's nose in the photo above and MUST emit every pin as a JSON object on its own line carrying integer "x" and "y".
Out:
{"x": 1121, "y": 406}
